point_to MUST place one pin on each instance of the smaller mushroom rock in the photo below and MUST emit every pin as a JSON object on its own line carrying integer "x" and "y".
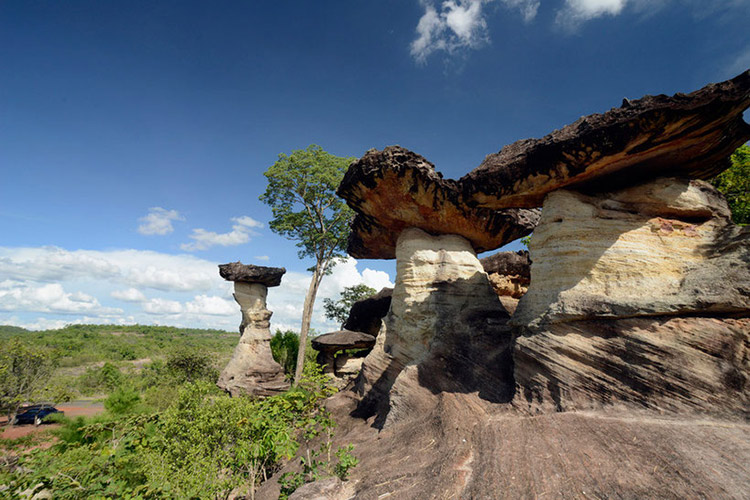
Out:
{"x": 394, "y": 189}
{"x": 367, "y": 314}
{"x": 252, "y": 369}
{"x": 329, "y": 344}
{"x": 248, "y": 273}
{"x": 687, "y": 135}
{"x": 509, "y": 273}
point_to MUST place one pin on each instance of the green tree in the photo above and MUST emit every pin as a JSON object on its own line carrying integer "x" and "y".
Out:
{"x": 338, "y": 310}
{"x": 24, "y": 371}
{"x": 734, "y": 184}
{"x": 301, "y": 192}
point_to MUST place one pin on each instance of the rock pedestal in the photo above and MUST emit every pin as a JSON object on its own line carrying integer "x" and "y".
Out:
{"x": 252, "y": 369}
{"x": 445, "y": 331}
{"x": 637, "y": 297}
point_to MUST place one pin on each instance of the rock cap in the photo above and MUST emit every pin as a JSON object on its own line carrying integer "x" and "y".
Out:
{"x": 394, "y": 189}
{"x": 249, "y": 273}
{"x": 343, "y": 339}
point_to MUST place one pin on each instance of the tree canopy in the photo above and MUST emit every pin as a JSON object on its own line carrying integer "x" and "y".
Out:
{"x": 734, "y": 183}
{"x": 338, "y": 310}
{"x": 301, "y": 192}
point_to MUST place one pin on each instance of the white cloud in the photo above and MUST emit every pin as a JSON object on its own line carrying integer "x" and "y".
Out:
{"x": 458, "y": 25}
{"x": 162, "y": 306}
{"x": 262, "y": 257}
{"x": 240, "y": 233}
{"x": 50, "y": 298}
{"x": 212, "y": 305}
{"x": 129, "y": 295}
{"x": 158, "y": 221}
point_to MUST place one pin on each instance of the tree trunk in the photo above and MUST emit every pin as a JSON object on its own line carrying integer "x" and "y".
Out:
{"x": 312, "y": 291}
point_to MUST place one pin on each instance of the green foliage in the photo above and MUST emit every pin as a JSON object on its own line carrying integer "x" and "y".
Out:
{"x": 339, "y": 310}
{"x": 525, "y": 241}
{"x": 98, "y": 380}
{"x": 734, "y": 184}
{"x": 346, "y": 461}
{"x": 204, "y": 445}
{"x": 25, "y": 370}
{"x": 122, "y": 400}
{"x": 188, "y": 365}
{"x": 284, "y": 347}
{"x": 301, "y": 192}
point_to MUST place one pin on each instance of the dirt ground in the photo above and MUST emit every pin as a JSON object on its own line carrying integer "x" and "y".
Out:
{"x": 73, "y": 409}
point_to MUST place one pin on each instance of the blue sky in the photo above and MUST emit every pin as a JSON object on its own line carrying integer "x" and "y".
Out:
{"x": 134, "y": 135}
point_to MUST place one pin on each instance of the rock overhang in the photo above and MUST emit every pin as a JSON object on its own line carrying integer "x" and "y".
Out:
{"x": 249, "y": 273}
{"x": 395, "y": 189}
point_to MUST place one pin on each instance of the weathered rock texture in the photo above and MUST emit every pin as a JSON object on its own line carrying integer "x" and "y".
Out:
{"x": 249, "y": 273}
{"x": 689, "y": 135}
{"x": 664, "y": 247}
{"x": 367, "y": 314}
{"x": 639, "y": 297}
{"x": 445, "y": 331}
{"x": 329, "y": 344}
{"x": 509, "y": 273}
{"x": 394, "y": 189}
{"x": 252, "y": 369}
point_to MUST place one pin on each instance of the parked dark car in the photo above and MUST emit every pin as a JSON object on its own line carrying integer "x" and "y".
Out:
{"x": 34, "y": 414}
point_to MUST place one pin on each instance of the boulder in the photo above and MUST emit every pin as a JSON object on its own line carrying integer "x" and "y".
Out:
{"x": 394, "y": 189}
{"x": 252, "y": 369}
{"x": 366, "y": 314}
{"x": 666, "y": 247}
{"x": 687, "y": 135}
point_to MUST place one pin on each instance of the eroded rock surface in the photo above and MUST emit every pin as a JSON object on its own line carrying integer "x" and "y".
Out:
{"x": 690, "y": 135}
{"x": 446, "y": 330}
{"x": 394, "y": 189}
{"x": 509, "y": 273}
{"x": 366, "y": 314}
{"x": 666, "y": 247}
{"x": 252, "y": 369}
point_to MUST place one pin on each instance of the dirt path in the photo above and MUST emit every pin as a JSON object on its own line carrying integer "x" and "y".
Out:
{"x": 84, "y": 408}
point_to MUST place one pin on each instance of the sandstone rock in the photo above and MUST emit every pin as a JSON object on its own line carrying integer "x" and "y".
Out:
{"x": 329, "y": 344}
{"x": 670, "y": 364}
{"x": 685, "y": 135}
{"x": 366, "y": 314}
{"x": 331, "y": 488}
{"x": 445, "y": 331}
{"x": 509, "y": 273}
{"x": 252, "y": 369}
{"x": 394, "y": 189}
{"x": 667, "y": 247}
{"x": 237, "y": 271}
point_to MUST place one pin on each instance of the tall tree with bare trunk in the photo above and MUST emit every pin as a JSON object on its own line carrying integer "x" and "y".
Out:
{"x": 301, "y": 192}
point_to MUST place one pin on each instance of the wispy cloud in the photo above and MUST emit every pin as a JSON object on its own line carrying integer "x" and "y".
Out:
{"x": 158, "y": 221}
{"x": 241, "y": 231}
{"x": 456, "y": 25}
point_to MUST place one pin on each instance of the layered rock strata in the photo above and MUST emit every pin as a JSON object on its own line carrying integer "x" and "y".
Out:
{"x": 445, "y": 331}
{"x": 252, "y": 369}
{"x": 638, "y": 297}
{"x": 394, "y": 189}
{"x": 690, "y": 135}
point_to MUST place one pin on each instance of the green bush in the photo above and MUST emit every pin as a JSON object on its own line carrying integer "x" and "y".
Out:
{"x": 122, "y": 400}
{"x": 284, "y": 348}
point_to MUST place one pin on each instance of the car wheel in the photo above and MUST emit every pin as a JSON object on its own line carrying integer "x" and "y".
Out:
{"x": 37, "y": 421}
{"x": 14, "y": 421}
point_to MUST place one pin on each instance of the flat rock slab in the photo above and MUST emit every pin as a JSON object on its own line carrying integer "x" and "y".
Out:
{"x": 690, "y": 135}
{"x": 394, "y": 189}
{"x": 508, "y": 264}
{"x": 343, "y": 339}
{"x": 249, "y": 273}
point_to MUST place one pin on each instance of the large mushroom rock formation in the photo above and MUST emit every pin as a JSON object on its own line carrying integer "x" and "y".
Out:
{"x": 689, "y": 135}
{"x": 637, "y": 297}
{"x": 252, "y": 369}
{"x": 366, "y": 314}
{"x": 446, "y": 331}
{"x": 509, "y": 273}
{"x": 394, "y": 189}
{"x": 331, "y": 343}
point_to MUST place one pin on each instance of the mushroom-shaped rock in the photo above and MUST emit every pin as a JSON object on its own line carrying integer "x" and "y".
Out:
{"x": 252, "y": 369}
{"x": 248, "y": 273}
{"x": 329, "y": 344}
{"x": 688, "y": 135}
{"x": 394, "y": 189}
{"x": 510, "y": 275}
{"x": 366, "y": 314}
